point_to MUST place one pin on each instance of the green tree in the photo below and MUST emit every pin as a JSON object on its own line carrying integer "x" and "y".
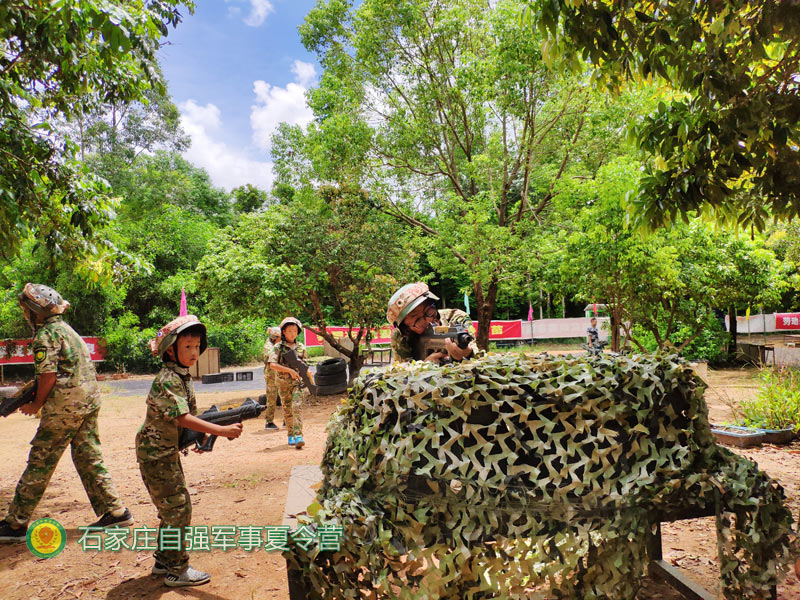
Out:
{"x": 247, "y": 198}
{"x": 326, "y": 257}
{"x": 447, "y": 114}
{"x": 667, "y": 283}
{"x": 727, "y": 141}
{"x": 60, "y": 60}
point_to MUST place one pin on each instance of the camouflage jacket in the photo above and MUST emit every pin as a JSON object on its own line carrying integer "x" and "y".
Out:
{"x": 57, "y": 348}
{"x": 267, "y": 351}
{"x": 402, "y": 346}
{"x": 171, "y": 396}
{"x": 281, "y": 348}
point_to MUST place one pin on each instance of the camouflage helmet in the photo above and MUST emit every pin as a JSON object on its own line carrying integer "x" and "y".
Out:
{"x": 274, "y": 333}
{"x": 291, "y": 321}
{"x": 406, "y": 299}
{"x": 42, "y": 300}
{"x": 169, "y": 333}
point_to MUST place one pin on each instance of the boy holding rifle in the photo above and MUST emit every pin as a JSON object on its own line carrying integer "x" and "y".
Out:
{"x": 171, "y": 405}
{"x": 288, "y": 379}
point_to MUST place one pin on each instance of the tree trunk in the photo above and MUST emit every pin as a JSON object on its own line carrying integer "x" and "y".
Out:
{"x": 614, "y": 323}
{"x": 485, "y": 308}
{"x": 731, "y": 332}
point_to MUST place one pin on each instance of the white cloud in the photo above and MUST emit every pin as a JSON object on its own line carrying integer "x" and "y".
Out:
{"x": 228, "y": 167}
{"x": 259, "y": 10}
{"x": 275, "y": 104}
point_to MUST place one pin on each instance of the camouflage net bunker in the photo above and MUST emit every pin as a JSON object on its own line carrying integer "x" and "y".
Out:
{"x": 531, "y": 477}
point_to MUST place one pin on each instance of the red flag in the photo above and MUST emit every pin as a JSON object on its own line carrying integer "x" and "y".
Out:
{"x": 530, "y": 312}
{"x": 594, "y": 308}
{"x": 183, "y": 311}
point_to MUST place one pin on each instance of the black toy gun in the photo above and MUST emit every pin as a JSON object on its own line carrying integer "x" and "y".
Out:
{"x": 250, "y": 409}
{"x": 26, "y": 394}
{"x": 435, "y": 337}
{"x": 302, "y": 369}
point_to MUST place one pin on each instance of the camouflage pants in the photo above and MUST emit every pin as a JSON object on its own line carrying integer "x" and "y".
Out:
{"x": 166, "y": 484}
{"x": 270, "y": 376}
{"x": 292, "y": 402}
{"x": 57, "y": 431}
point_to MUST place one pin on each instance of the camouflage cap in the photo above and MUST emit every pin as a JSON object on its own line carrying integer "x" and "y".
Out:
{"x": 291, "y": 321}
{"x": 274, "y": 332}
{"x": 42, "y": 300}
{"x": 406, "y": 299}
{"x": 169, "y": 333}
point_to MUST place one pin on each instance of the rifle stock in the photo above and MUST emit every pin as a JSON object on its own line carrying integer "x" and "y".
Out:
{"x": 26, "y": 394}
{"x": 249, "y": 409}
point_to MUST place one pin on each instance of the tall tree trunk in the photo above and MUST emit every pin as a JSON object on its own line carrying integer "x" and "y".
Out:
{"x": 485, "y": 308}
{"x": 615, "y": 322}
{"x": 731, "y": 332}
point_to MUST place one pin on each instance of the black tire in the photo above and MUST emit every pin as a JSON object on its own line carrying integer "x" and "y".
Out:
{"x": 329, "y": 390}
{"x": 331, "y": 366}
{"x": 334, "y": 379}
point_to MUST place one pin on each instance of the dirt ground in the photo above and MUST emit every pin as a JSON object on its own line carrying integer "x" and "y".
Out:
{"x": 244, "y": 482}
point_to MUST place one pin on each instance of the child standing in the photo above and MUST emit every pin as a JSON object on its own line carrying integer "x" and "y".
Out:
{"x": 171, "y": 405}
{"x": 288, "y": 379}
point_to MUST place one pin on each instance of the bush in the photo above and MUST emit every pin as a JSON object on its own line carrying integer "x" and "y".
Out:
{"x": 777, "y": 405}
{"x": 238, "y": 344}
{"x": 126, "y": 345}
{"x": 709, "y": 345}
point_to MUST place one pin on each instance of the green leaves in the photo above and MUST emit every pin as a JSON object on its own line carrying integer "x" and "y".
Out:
{"x": 732, "y": 66}
{"x": 62, "y": 59}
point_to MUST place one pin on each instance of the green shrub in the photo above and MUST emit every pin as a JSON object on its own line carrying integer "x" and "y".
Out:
{"x": 777, "y": 405}
{"x": 126, "y": 344}
{"x": 238, "y": 344}
{"x": 709, "y": 345}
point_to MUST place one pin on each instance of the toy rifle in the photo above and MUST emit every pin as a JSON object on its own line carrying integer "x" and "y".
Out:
{"x": 434, "y": 339}
{"x": 250, "y": 409}
{"x": 302, "y": 368}
{"x": 26, "y": 394}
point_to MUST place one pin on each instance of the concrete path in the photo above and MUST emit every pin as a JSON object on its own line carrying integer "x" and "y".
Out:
{"x": 140, "y": 387}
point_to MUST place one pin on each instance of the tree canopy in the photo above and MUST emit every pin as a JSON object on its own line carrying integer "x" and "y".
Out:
{"x": 726, "y": 140}
{"x": 60, "y": 60}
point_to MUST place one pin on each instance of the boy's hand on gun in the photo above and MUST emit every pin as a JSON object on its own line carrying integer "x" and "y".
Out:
{"x": 232, "y": 431}
{"x": 294, "y": 374}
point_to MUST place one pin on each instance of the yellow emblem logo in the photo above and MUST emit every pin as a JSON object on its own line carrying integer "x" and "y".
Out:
{"x": 39, "y": 356}
{"x": 46, "y": 538}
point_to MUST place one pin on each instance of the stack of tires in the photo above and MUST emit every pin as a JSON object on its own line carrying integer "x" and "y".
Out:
{"x": 331, "y": 377}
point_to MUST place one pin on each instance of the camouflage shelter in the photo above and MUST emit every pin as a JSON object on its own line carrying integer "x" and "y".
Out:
{"x": 520, "y": 477}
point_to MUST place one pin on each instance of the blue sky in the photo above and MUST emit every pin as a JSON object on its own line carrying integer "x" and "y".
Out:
{"x": 236, "y": 68}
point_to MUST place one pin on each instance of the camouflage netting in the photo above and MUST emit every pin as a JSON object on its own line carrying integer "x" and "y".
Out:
{"x": 519, "y": 477}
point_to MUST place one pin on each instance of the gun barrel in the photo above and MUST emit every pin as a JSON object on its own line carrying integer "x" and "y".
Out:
{"x": 249, "y": 409}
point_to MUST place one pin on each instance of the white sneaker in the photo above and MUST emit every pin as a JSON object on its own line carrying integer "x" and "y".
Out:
{"x": 190, "y": 576}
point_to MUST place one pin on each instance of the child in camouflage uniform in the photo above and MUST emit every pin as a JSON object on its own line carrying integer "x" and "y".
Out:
{"x": 69, "y": 399}
{"x": 288, "y": 379}
{"x": 171, "y": 405}
{"x": 271, "y": 378}
{"x": 411, "y": 310}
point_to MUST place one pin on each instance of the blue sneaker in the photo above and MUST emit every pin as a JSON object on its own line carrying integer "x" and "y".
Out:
{"x": 292, "y": 440}
{"x": 298, "y": 442}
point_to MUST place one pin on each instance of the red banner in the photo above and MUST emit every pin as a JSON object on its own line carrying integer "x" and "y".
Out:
{"x": 499, "y": 330}
{"x": 20, "y": 352}
{"x": 379, "y": 336}
{"x": 787, "y": 320}
{"x": 503, "y": 330}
